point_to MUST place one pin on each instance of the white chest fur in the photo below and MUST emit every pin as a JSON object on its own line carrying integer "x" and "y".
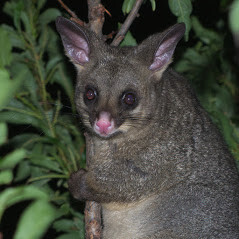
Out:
{"x": 131, "y": 221}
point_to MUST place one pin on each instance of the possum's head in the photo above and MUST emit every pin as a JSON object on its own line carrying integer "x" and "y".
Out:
{"x": 115, "y": 92}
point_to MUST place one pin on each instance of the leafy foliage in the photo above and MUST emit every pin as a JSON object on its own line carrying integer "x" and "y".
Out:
{"x": 234, "y": 16}
{"x": 182, "y": 9}
{"x": 128, "y": 5}
{"x": 52, "y": 147}
{"x": 40, "y": 141}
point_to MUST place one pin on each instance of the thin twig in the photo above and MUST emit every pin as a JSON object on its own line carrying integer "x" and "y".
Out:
{"x": 110, "y": 35}
{"x": 67, "y": 9}
{"x": 125, "y": 27}
{"x": 73, "y": 15}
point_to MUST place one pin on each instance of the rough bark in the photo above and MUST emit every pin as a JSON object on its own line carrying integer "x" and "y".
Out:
{"x": 96, "y": 16}
{"x": 93, "y": 225}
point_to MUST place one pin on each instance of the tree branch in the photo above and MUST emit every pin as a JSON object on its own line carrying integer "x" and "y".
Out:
{"x": 92, "y": 209}
{"x": 92, "y": 212}
{"x": 96, "y": 16}
{"x": 92, "y": 220}
{"x": 125, "y": 27}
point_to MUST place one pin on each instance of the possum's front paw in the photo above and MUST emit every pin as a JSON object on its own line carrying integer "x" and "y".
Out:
{"x": 78, "y": 186}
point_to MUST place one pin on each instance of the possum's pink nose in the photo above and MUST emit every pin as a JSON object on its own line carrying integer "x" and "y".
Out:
{"x": 104, "y": 125}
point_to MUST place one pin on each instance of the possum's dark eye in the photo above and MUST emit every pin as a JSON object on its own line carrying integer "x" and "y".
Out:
{"x": 129, "y": 99}
{"x": 90, "y": 95}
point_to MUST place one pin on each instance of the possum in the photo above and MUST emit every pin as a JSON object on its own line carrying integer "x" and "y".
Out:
{"x": 160, "y": 167}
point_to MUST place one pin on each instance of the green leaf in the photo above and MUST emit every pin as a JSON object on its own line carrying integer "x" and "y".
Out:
{"x": 48, "y": 16}
{"x": 53, "y": 62}
{"x": 30, "y": 84}
{"x": 35, "y": 220}
{"x": 234, "y": 17}
{"x": 224, "y": 100}
{"x": 10, "y": 196}
{"x": 25, "y": 118}
{"x": 74, "y": 228}
{"x": 226, "y": 126}
{"x": 64, "y": 225}
{"x": 205, "y": 35}
{"x": 39, "y": 176}
{"x": 3, "y": 133}
{"x": 6, "y": 48}
{"x": 127, "y": 6}
{"x": 13, "y": 7}
{"x": 8, "y": 87}
{"x": 24, "y": 138}
{"x": 182, "y": 9}
{"x": 26, "y": 22}
{"x": 12, "y": 159}
{"x": 23, "y": 171}
{"x": 53, "y": 47}
{"x": 40, "y": 4}
{"x": 129, "y": 40}
{"x": 5, "y": 88}
{"x": 14, "y": 37}
{"x": 62, "y": 78}
{"x": 153, "y": 4}
{"x": 45, "y": 162}
{"x": 6, "y": 177}
{"x": 18, "y": 118}
{"x": 64, "y": 209}
{"x": 191, "y": 61}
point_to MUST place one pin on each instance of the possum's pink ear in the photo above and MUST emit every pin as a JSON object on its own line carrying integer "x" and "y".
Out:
{"x": 166, "y": 47}
{"x": 74, "y": 39}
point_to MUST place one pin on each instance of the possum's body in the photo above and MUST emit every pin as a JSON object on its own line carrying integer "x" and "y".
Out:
{"x": 159, "y": 167}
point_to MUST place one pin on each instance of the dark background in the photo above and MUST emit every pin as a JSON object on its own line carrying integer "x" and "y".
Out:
{"x": 148, "y": 22}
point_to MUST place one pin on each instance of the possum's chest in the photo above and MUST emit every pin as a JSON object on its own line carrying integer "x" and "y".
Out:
{"x": 120, "y": 224}
{"x": 131, "y": 221}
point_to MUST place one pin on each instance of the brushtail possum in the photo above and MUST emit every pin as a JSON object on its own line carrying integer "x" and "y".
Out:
{"x": 160, "y": 168}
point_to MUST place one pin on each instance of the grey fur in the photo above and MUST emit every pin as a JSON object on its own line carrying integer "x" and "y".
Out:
{"x": 167, "y": 172}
